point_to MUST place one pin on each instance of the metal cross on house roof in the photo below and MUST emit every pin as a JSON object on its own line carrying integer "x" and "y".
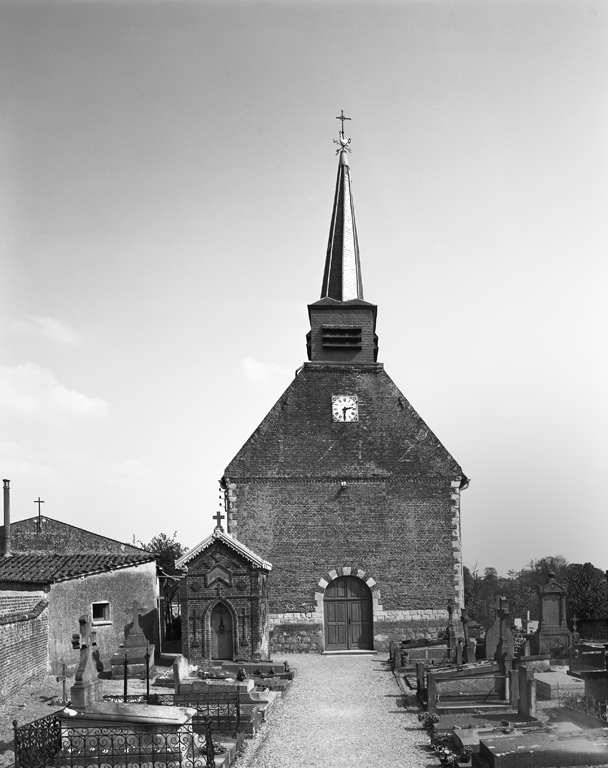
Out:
{"x": 38, "y": 501}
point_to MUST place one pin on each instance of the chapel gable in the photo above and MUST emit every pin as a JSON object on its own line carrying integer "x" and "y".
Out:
{"x": 224, "y": 599}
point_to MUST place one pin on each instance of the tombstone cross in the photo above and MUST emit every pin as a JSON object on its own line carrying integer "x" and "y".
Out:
{"x": 450, "y": 612}
{"x": 465, "y": 625}
{"x": 84, "y": 641}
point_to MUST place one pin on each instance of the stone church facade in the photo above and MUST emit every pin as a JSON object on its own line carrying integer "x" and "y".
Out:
{"x": 344, "y": 488}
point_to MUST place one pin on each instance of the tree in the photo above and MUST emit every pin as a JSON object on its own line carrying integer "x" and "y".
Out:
{"x": 587, "y": 597}
{"x": 167, "y": 551}
{"x": 518, "y": 587}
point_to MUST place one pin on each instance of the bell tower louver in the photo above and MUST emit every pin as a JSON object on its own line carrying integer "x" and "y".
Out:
{"x": 343, "y": 325}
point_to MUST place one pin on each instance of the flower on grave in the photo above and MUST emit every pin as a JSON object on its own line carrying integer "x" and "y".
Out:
{"x": 428, "y": 720}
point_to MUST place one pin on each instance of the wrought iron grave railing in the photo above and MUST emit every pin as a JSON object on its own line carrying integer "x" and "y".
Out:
{"x": 222, "y": 710}
{"x": 597, "y": 708}
{"x": 55, "y": 742}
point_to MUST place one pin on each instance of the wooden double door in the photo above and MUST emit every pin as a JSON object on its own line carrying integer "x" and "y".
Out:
{"x": 348, "y": 615}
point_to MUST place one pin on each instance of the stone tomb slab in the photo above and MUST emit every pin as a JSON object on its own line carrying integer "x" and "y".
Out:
{"x": 540, "y": 750}
{"x": 273, "y": 684}
{"x": 259, "y": 669}
{"x": 550, "y": 685}
{"x": 468, "y": 730}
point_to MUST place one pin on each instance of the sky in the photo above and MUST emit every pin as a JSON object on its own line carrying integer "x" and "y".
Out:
{"x": 167, "y": 177}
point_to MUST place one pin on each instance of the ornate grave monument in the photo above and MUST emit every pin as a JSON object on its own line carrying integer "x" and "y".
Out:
{"x": 224, "y": 598}
{"x": 553, "y": 635}
{"x": 137, "y": 651}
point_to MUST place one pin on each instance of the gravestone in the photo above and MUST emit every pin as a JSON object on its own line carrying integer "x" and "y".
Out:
{"x": 588, "y": 662}
{"x": 87, "y": 687}
{"x": 499, "y": 638}
{"x": 469, "y": 642}
{"x": 136, "y": 648}
{"x": 526, "y": 703}
{"x": 450, "y": 635}
{"x": 553, "y": 635}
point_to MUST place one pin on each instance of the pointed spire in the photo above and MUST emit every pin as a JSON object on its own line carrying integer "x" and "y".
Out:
{"x": 342, "y": 276}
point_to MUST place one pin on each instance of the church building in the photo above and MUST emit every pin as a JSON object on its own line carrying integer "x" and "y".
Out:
{"x": 343, "y": 487}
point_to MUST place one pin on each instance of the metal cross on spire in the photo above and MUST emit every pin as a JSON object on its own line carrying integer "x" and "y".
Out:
{"x": 342, "y": 143}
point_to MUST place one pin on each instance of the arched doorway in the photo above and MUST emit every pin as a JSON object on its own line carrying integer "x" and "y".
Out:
{"x": 348, "y": 615}
{"x": 221, "y": 633}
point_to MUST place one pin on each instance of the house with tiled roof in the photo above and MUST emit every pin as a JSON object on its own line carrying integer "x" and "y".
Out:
{"x": 51, "y": 573}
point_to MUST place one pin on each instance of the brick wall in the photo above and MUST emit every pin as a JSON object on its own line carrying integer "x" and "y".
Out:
{"x": 23, "y": 639}
{"x": 355, "y": 314}
{"x": 18, "y": 601}
{"x": 379, "y": 497}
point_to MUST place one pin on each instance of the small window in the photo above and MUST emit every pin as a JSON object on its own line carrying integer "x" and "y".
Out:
{"x": 101, "y": 613}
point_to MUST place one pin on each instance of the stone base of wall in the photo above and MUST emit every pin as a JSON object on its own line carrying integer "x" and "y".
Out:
{"x": 296, "y": 638}
{"x": 303, "y": 632}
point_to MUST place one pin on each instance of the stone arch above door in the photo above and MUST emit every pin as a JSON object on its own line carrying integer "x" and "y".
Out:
{"x": 344, "y": 570}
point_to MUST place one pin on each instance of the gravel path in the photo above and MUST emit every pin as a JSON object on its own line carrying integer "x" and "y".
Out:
{"x": 341, "y": 712}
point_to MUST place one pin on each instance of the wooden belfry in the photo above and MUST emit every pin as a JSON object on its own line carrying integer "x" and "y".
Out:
{"x": 224, "y": 598}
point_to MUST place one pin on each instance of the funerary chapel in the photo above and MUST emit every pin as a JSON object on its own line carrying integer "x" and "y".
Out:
{"x": 343, "y": 490}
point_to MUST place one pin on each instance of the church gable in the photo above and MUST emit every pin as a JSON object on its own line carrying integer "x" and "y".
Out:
{"x": 298, "y": 437}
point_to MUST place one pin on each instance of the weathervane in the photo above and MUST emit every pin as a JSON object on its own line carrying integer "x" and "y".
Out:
{"x": 342, "y": 143}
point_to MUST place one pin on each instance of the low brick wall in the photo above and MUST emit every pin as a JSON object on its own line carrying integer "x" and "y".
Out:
{"x": 24, "y": 640}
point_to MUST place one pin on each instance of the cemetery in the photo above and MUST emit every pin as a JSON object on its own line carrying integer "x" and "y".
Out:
{"x": 352, "y": 577}
{"x": 201, "y": 723}
{"x": 490, "y": 706}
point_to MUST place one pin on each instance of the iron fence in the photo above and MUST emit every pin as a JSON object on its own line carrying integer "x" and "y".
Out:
{"x": 52, "y": 742}
{"x": 222, "y": 710}
{"x": 597, "y": 708}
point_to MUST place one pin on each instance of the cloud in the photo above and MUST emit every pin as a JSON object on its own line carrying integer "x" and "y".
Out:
{"x": 30, "y": 390}
{"x": 15, "y": 465}
{"x": 131, "y": 469}
{"x": 262, "y": 374}
{"x": 54, "y": 330}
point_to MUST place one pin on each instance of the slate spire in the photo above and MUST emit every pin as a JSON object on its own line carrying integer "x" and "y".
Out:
{"x": 342, "y": 276}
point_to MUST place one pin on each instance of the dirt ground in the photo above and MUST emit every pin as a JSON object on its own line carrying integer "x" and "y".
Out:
{"x": 44, "y": 697}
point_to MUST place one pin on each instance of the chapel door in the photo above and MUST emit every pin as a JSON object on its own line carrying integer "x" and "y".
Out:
{"x": 221, "y": 633}
{"x": 348, "y": 615}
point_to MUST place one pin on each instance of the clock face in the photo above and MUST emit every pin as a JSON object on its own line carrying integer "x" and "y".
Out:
{"x": 344, "y": 408}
